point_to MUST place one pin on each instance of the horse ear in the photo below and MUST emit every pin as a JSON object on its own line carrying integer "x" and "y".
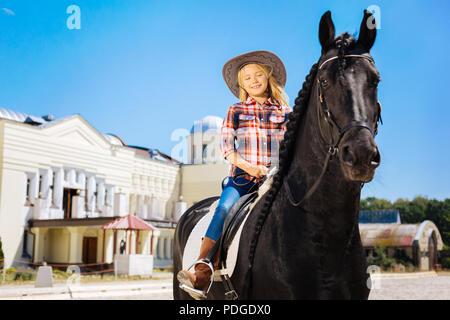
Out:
{"x": 367, "y": 31}
{"x": 326, "y": 31}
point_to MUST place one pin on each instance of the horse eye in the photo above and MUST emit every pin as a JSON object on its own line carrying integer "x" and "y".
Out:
{"x": 324, "y": 82}
{"x": 374, "y": 83}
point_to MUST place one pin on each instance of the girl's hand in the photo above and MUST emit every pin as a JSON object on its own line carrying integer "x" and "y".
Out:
{"x": 258, "y": 171}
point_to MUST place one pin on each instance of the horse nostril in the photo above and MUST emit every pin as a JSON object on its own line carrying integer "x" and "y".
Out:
{"x": 348, "y": 156}
{"x": 375, "y": 161}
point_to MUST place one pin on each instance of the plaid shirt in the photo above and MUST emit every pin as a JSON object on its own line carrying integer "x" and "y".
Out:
{"x": 258, "y": 130}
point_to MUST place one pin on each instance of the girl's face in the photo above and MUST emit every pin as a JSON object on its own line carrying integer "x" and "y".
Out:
{"x": 254, "y": 80}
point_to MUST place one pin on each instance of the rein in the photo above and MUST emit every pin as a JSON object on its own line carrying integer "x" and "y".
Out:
{"x": 333, "y": 146}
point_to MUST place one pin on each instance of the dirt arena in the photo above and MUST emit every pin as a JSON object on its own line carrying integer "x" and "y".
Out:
{"x": 426, "y": 286}
{"x": 435, "y": 287}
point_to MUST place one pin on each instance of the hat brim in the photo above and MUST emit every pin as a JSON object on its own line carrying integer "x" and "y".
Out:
{"x": 231, "y": 68}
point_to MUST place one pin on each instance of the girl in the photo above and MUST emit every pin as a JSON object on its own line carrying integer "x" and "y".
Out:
{"x": 257, "y": 122}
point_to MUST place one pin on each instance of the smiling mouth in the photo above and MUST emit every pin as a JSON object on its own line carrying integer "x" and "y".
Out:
{"x": 256, "y": 87}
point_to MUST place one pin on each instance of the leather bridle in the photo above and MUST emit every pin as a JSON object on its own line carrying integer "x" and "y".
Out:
{"x": 332, "y": 146}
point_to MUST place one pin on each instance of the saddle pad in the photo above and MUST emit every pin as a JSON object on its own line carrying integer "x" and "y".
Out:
{"x": 192, "y": 248}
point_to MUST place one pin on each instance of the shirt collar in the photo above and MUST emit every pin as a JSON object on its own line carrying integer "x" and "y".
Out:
{"x": 269, "y": 103}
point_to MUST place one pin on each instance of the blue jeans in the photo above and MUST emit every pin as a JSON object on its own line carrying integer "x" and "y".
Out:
{"x": 230, "y": 194}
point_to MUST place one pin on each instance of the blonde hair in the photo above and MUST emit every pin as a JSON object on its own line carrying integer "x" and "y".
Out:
{"x": 275, "y": 91}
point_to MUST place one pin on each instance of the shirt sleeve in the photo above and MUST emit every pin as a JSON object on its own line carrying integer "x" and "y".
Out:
{"x": 227, "y": 134}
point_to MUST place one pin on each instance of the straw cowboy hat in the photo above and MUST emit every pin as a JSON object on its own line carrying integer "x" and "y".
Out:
{"x": 231, "y": 68}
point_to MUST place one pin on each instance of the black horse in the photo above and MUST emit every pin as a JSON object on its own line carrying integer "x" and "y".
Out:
{"x": 301, "y": 240}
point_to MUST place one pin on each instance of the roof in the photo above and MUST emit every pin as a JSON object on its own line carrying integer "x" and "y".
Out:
{"x": 154, "y": 154}
{"x": 49, "y": 120}
{"x": 390, "y": 235}
{"x": 129, "y": 222}
{"x": 23, "y": 117}
{"x": 113, "y": 139}
{"x": 398, "y": 235}
{"x": 379, "y": 216}
{"x": 207, "y": 124}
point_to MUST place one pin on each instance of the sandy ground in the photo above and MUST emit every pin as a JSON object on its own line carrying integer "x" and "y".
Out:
{"x": 421, "y": 287}
{"x": 426, "y": 288}
{"x": 388, "y": 287}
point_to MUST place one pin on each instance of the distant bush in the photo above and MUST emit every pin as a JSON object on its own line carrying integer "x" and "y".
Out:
{"x": 446, "y": 263}
{"x": 23, "y": 275}
{"x": 381, "y": 259}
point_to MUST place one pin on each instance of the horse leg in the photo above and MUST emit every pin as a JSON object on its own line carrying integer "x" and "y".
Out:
{"x": 357, "y": 284}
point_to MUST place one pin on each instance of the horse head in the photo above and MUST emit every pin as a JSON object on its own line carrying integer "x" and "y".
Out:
{"x": 349, "y": 112}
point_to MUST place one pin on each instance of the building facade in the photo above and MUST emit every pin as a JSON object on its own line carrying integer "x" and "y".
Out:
{"x": 60, "y": 180}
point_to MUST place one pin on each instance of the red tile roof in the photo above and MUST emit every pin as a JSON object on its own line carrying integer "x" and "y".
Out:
{"x": 129, "y": 222}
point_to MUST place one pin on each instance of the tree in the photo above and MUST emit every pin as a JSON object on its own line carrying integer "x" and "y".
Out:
{"x": 372, "y": 203}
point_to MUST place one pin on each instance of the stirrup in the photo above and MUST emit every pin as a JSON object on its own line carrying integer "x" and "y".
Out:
{"x": 196, "y": 293}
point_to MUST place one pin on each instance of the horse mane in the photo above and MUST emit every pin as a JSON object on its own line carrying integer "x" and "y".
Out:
{"x": 343, "y": 43}
{"x": 285, "y": 159}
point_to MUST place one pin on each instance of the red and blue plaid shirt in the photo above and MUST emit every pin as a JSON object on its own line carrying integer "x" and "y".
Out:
{"x": 258, "y": 130}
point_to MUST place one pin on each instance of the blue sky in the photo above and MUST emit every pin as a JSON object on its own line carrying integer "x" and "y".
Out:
{"x": 141, "y": 69}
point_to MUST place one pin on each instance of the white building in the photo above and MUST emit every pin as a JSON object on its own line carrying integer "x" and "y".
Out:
{"x": 60, "y": 180}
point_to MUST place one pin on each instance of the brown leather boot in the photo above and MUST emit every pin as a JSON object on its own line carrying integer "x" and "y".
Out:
{"x": 201, "y": 279}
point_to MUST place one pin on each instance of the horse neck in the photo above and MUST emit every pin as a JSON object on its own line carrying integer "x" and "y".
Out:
{"x": 335, "y": 193}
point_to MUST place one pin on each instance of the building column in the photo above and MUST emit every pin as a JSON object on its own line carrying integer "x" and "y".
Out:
{"x": 100, "y": 196}
{"x": 34, "y": 187}
{"x": 90, "y": 193}
{"x": 45, "y": 188}
{"x": 180, "y": 208}
{"x": 76, "y": 244}
{"x": 39, "y": 244}
{"x": 109, "y": 246}
{"x": 58, "y": 188}
{"x": 162, "y": 203}
{"x": 110, "y": 199}
{"x": 120, "y": 205}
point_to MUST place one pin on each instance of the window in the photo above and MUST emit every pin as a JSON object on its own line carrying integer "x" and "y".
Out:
{"x": 105, "y": 199}
{"x": 204, "y": 153}
{"x": 28, "y": 188}
{"x": 41, "y": 179}
{"x": 54, "y": 180}
{"x": 25, "y": 253}
{"x": 96, "y": 197}
{"x": 86, "y": 196}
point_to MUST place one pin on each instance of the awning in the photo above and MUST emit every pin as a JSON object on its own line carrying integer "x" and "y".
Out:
{"x": 129, "y": 222}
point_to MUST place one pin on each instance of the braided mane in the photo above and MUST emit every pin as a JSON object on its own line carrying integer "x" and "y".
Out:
{"x": 285, "y": 159}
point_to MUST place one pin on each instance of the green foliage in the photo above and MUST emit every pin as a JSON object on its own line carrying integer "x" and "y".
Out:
{"x": 446, "y": 263}
{"x": 416, "y": 211}
{"x": 381, "y": 259}
{"x": 24, "y": 276}
{"x": 372, "y": 203}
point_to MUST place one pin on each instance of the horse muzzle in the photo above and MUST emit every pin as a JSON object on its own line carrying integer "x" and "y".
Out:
{"x": 360, "y": 159}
